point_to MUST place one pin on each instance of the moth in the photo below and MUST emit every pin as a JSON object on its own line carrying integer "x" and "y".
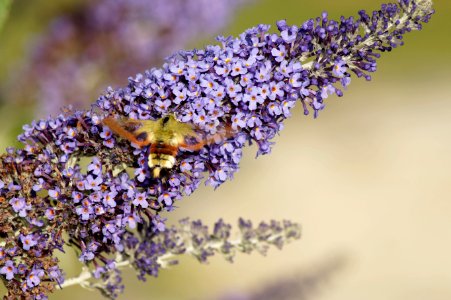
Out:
{"x": 165, "y": 137}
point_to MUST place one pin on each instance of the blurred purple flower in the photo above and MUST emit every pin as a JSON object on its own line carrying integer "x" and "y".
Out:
{"x": 102, "y": 42}
{"x": 301, "y": 286}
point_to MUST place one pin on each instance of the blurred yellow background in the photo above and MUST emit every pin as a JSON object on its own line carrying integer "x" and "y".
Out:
{"x": 369, "y": 179}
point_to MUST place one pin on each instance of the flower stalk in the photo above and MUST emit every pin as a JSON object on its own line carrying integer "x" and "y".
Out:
{"x": 188, "y": 234}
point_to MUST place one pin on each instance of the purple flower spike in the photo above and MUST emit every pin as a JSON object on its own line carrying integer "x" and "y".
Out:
{"x": 232, "y": 95}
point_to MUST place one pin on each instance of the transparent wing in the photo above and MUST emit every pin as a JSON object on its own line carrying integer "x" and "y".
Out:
{"x": 202, "y": 141}
{"x": 138, "y": 132}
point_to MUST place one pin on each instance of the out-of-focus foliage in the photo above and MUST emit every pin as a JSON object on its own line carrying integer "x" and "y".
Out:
{"x": 101, "y": 42}
{"x": 303, "y": 285}
{"x": 4, "y": 11}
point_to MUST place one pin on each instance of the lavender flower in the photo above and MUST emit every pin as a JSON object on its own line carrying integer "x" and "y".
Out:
{"x": 102, "y": 42}
{"x": 97, "y": 206}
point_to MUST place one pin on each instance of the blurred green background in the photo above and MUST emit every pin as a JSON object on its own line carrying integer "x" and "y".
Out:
{"x": 370, "y": 178}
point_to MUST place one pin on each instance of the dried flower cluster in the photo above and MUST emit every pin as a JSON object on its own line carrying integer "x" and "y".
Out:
{"x": 249, "y": 83}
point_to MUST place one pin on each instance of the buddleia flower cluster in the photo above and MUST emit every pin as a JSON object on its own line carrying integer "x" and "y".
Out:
{"x": 152, "y": 251}
{"x": 101, "y": 42}
{"x": 75, "y": 178}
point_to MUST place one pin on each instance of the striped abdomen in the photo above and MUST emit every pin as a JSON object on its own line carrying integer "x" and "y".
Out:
{"x": 161, "y": 156}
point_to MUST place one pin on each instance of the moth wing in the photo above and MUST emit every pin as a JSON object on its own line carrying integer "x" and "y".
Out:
{"x": 144, "y": 126}
{"x": 208, "y": 139}
{"x": 139, "y": 132}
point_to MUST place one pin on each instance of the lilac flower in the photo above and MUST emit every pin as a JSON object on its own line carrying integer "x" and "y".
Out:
{"x": 140, "y": 200}
{"x": 68, "y": 146}
{"x": 77, "y": 196}
{"x": 232, "y": 88}
{"x": 28, "y": 241}
{"x": 38, "y": 186}
{"x": 141, "y": 174}
{"x": 17, "y": 204}
{"x": 34, "y": 278}
{"x": 97, "y": 196}
{"x": 95, "y": 166}
{"x": 162, "y": 106}
{"x": 131, "y": 220}
{"x": 238, "y": 69}
{"x": 166, "y": 198}
{"x": 20, "y": 206}
{"x": 56, "y": 274}
{"x": 14, "y": 187}
{"x": 204, "y": 243}
{"x": 85, "y": 212}
{"x": 254, "y": 99}
{"x": 279, "y": 53}
{"x": 280, "y": 67}
{"x": 50, "y": 213}
{"x": 109, "y": 143}
{"x": 327, "y": 90}
{"x": 92, "y": 183}
{"x": 179, "y": 93}
{"x": 106, "y": 133}
{"x": 339, "y": 68}
{"x": 54, "y": 193}
{"x": 86, "y": 256}
{"x": 8, "y": 270}
{"x": 109, "y": 199}
{"x": 99, "y": 210}
{"x": 238, "y": 121}
{"x": 289, "y": 34}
